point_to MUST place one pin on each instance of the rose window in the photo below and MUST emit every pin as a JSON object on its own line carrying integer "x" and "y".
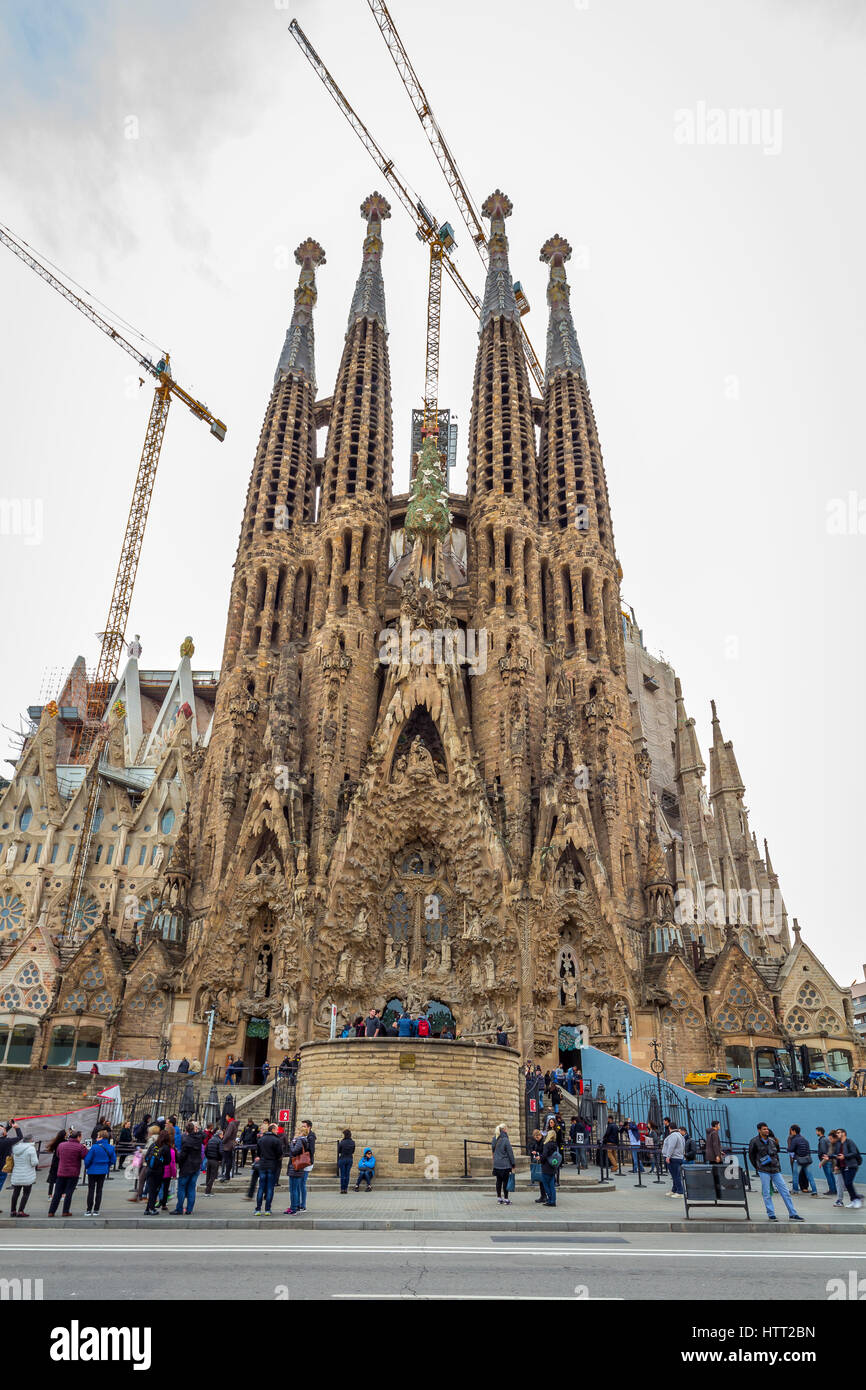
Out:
{"x": 76, "y": 1000}
{"x": 757, "y": 1021}
{"x": 11, "y": 916}
{"x": 739, "y": 995}
{"x": 828, "y": 1022}
{"x": 727, "y": 1020}
{"x": 809, "y": 997}
{"x": 28, "y": 975}
{"x": 93, "y": 977}
{"x": 10, "y": 998}
{"x": 100, "y": 1003}
{"x": 797, "y": 1022}
{"x": 86, "y": 917}
{"x": 37, "y": 1000}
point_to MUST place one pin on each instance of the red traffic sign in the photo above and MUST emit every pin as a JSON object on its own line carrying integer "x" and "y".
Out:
{"x": 284, "y": 1116}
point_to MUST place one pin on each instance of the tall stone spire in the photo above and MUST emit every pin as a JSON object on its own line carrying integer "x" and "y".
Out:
{"x": 368, "y": 301}
{"x": 687, "y": 753}
{"x": 358, "y": 451}
{"x": 724, "y": 772}
{"x": 298, "y": 354}
{"x": 499, "y": 299}
{"x": 571, "y": 480}
{"x": 281, "y": 492}
{"x": 563, "y": 349}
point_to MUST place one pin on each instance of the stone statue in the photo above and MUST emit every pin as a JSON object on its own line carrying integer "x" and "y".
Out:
{"x": 261, "y": 977}
{"x": 187, "y": 647}
{"x": 489, "y": 971}
{"x": 361, "y": 921}
{"x": 446, "y": 953}
{"x": 134, "y": 647}
{"x": 343, "y": 964}
{"x": 159, "y": 858}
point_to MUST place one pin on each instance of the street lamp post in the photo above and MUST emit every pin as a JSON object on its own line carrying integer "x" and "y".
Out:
{"x": 626, "y": 1020}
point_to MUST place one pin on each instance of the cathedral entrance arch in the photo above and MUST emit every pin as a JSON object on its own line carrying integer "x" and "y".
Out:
{"x": 255, "y": 1050}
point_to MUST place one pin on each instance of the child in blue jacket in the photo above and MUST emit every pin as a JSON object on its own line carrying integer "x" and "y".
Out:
{"x": 366, "y": 1169}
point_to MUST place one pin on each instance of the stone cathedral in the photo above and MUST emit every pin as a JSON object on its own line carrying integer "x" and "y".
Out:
{"x": 437, "y": 768}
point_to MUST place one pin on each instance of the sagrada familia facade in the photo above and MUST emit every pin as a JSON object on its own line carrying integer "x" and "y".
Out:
{"x": 436, "y": 769}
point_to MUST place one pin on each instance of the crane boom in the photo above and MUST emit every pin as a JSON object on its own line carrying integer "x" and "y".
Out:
{"x": 445, "y": 159}
{"x": 447, "y": 163}
{"x": 426, "y": 226}
{"x": 26, "y": 254}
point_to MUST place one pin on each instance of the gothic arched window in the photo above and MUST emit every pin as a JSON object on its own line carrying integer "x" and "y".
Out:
{"x": 398, "y": 917}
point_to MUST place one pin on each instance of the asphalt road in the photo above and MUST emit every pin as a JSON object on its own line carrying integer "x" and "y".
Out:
{"x": 340, "y": 1265}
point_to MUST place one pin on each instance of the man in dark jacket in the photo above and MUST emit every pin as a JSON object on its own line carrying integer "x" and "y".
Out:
{"x": 188, "y": 1169}
{"x": 713, "y": 1145}
{"x": 229, "y": 1140}
{"x": 503, "y": 1164}
{"x": 213, "y": 1157}
{"x": 848, "y": 1160}
{"x": 270, "y": 1147}
{"x": 801, "y": 1161}
{"x": 764, "y": 1154}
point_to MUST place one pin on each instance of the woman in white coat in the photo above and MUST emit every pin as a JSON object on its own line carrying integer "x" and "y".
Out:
{"x": 25, "y": 1160}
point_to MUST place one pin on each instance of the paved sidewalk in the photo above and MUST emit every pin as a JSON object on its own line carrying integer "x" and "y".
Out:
{"x": 625, "y": 1208}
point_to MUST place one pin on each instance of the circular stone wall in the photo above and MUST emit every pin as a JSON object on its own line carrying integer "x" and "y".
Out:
{"x": 409, "y": 1093}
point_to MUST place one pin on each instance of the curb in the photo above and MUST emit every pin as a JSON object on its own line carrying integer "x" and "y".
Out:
{"x": 723, "y": 1227}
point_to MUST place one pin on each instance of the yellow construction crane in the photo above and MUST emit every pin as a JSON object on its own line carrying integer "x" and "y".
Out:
{"x": 91, "y": 730}
{"x": 447, "y": 163}
{"x": 439, "y": 236}
{"x": 100, "y": 687}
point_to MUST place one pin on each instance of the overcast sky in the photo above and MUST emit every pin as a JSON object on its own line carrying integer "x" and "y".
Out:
{"x": 718, "y": 290}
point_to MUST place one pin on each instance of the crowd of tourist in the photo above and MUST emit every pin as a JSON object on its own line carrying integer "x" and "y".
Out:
{"x": 165, "y": 1159}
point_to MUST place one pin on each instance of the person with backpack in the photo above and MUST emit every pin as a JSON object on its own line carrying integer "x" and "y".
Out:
{"x": 801, "y": 1161}
{"x": 848, "y": 1159}
{"x": 345, "y": 1159}
{"x": 213, "y": 1158}
{"x": 764, "y": 1156}
{"x": 423, "y": 1027}
{"x": 270, "y": 1161}
{"x": 503, "y": 1164}
{"x": 555, "y": 1096}
{"x": 139, "y": 1133}
{"x": 101, "y": 1158}
{"x": 25, "y": 1161}
{"x": 366, "y": 1169}
{"x": 404, "y": 1025}
{"x": 158, "y": 1163}
{"x": 690, "y": 1150}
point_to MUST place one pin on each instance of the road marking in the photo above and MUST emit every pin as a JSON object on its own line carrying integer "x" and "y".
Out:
{"x": 480, "y": 1251}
